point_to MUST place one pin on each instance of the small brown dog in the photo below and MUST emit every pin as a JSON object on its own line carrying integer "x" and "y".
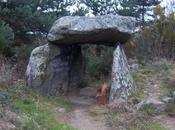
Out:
{"x": 102, "y": 95}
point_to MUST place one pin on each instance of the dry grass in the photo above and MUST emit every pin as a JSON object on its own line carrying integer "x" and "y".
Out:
{"x": 6, "y": 75}
{"x": 10, "y": 72}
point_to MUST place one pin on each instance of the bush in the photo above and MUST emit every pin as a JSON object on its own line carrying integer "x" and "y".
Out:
{"x": 170, "y": 109}
{"x": 158, "y": 40}
{"x": 98, "y": 61}
{"x": 6, "y": 36}
{"x": 2, "y": 42}
{"x": 6, "y": 71}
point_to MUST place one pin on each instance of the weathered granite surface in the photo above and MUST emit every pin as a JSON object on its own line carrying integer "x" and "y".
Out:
{"x": 58, "y": 66}
{"x": 122, "y": 84}
{"x": 54, "y": 69}
{"x": 107, "y": 30}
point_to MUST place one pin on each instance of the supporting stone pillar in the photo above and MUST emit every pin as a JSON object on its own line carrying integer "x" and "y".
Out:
{"x": 55, "y": 69}
{"x": 122, "y": 81}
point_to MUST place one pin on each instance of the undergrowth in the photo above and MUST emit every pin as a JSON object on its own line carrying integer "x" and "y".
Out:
{"x": 149, "y": 74}
{"x": 132, "y": 121}
{"x": 36, "y": 111}
{"x": 146, "y": 78}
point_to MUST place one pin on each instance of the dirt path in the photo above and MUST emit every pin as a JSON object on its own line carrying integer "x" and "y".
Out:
{"x": 86, "y": 115}
{"x": 83, "y": 119}
{"x": 166, "y": 121}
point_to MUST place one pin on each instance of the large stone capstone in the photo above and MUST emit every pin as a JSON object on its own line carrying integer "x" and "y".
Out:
{"x": 106, "y": 30}
{"x": 53, "y": 69}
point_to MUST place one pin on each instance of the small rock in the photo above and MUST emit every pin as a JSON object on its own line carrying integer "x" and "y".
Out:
{"x": 167, "y": 100}
{"x": 134, "y": 66}
{"x": 6, "y": 126}
{"x": 11, "y": 117}
{"x": 155, "y": 85}
{"x": 62, "y": 110}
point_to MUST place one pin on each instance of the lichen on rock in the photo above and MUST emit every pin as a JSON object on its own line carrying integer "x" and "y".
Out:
{"x": 54, "y": 69}
{"x": 37, "y": 65}
{"x": 122, "y": 82}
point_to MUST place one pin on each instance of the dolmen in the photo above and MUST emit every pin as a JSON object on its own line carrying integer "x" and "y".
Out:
{"x": 57, "y": 67}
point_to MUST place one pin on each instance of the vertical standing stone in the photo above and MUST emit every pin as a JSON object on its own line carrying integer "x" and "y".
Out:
{"x": 55, "y": 69}
{"x": 122, "y": 81}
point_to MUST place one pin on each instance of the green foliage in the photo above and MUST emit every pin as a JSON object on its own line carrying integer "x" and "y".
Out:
{"x": 160, "y": 23}
{"x": 101, "y": 7}
{"x": 149, "y": 109}
{"x": 147, "y": 125}
{"x": 148, "y": 73}
{"x": 6, "y": 36}
{"x": 37, "y": 117}
{"x": 159, "y": 39}
{"x": 170, "y": 109}
{"x": 32, "y": 15}
{"x": 83, "y": 83}
{"x": 4, "y": 98}
{"x": 35, "y": 111}
{"x": 169, "y": 87}
{"x": 2, "y": 43}
{"x": 122, "y": 7}
{"x": 129, "y": 8}
{"x": 132, "y": 121}
{"x": 137, "y": 8}
{"x": 98, "y": 65}
{"x": 94, "y": 66}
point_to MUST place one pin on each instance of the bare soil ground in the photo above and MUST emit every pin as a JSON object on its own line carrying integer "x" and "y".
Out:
{"x": 86, "y": 114}
{"x": 166, "y": 121}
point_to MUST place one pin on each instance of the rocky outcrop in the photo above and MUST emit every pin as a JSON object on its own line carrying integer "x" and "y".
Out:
{"x": 122, "y": 81}
{"x": 107, "y": 30}
{"x": 54, "y": 69}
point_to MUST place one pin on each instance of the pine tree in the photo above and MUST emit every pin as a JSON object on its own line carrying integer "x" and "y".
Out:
{"x": 31, "y": 15}
{"x": 128, "y": 8}
{"x": 137, "y": 8}
{"x": 100, "y": 7}
{"x": 145, "y": 6}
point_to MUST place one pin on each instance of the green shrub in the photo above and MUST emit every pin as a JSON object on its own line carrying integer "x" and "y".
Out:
{"x": 37, "y": 118}
{"x": 146, "y": 125}
{"x": 6, "y": 36}
{"x": 2, "y": 42}
{"x": 35, "y": 111}
{"x": 132, "y": 121}
{"x": 170, "y": 109}
{"x": 98, "y": 65}
{"x": 150, "y": 109}
{"x": 157, "y": 40}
